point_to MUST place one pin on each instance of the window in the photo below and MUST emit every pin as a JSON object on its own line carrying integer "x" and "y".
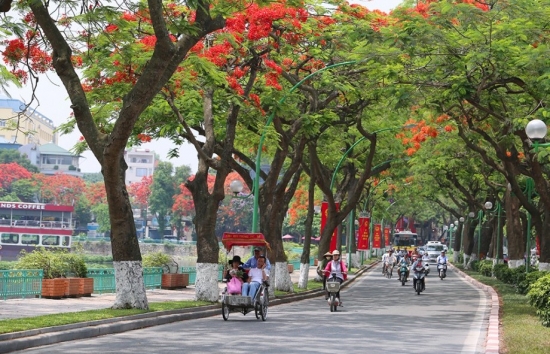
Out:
{"x": 30, "y": 239}
{"x": 141, "y": 172}
{"x": 66, "y": 241}
{"x": 133, "y": 159}
{"x": 2, "y": 123}
{"x": 50, "y": 240}
{"x": 10, "y": 238}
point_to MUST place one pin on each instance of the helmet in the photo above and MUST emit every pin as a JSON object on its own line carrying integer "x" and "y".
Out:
{"x": 328, "y": 254}
{"x": 335, "y": 252}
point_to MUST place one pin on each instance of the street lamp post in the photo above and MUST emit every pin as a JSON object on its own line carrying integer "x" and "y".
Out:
{"x": 451, "y": 230}
{"x": 498, "y": 209}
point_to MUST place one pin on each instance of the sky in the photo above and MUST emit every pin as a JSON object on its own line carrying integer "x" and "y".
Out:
{"x": 53, "y": 102}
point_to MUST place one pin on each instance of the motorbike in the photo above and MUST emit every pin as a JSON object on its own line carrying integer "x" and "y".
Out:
{"x": 419, "y": 284}
{"x": 403, "y": 273}
{"x": 442, "y": 269}
{"x": 426, "y": 266}
{"x": 333, "y": 286}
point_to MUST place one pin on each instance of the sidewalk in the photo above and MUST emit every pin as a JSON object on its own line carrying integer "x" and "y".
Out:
{"x": 31, "y": 307}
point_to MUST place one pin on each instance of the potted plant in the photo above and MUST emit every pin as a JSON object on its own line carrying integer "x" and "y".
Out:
{"x": 54, "y": 268}
{"x": 170, "y": 279}
{"x": 78, "y": 284}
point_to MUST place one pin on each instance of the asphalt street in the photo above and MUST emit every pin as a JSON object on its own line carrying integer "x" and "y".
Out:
{"x": 379, "y": 316}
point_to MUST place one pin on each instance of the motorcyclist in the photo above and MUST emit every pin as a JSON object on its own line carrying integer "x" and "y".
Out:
{"x": 417, "y": 263}
{"x": 389, "y": 260}
{"x": 405, "y": 261}
{"x": 338, "y": 268}
{"x": 442, "y": 259}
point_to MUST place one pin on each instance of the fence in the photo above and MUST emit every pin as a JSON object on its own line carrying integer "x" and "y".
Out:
{"x": 104, "y": 279}
{"x": 21, "y": 283}
{"x": 192, "y": 271}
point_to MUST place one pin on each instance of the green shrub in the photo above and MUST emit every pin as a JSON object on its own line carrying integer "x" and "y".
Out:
{"x": 474, "y": 265}
{"x": 5, "y": 265}
{"x": 485, "y": 268}
{"x": 518, "y": 275}
{"x": 524, "y": 285}
{"x": 504, "y": 273}
{"x": 461, "y": 258}
{"x": 539, "y": 297}
{"x": 159, "y": 259}
{"x": 53, "y": 263}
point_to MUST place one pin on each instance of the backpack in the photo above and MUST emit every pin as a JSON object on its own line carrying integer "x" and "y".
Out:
{"x": 234, "y": 286}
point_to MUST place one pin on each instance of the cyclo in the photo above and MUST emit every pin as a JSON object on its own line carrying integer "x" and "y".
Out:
{"x": 258, "y": 303}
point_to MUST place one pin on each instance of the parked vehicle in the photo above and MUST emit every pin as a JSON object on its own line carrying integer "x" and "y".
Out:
{"x": 419, "y": 283}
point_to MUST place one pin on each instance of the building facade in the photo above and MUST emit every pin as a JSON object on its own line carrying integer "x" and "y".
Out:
{"x": 141, "y": 163}
{"x": 51, "y": 159}
{"x": 22, "y": 125}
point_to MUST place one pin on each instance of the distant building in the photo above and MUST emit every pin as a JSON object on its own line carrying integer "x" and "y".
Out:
{"x": 141, "y": 163}
{"x": 32, "y": 127}
{"x": 51, "y": 159}
{"x": 4, "y": 144}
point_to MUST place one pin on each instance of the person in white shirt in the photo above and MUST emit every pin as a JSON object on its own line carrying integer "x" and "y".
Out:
{"x": 255, "y": 277}
{"x": 388, "y": 260}
{"x": 442, "y": 259}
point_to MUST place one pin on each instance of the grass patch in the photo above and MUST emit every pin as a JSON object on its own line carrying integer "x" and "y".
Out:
{"x": 58, "y": 319}
{"x": 311, "y": 285}
{"x": 522, "y": 331}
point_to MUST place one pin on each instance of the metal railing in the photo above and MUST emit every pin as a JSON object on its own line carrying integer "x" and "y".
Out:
{"x": 21, "y": 283}
{"x": 192, "y": 271}
{"x": 104, "y": 279}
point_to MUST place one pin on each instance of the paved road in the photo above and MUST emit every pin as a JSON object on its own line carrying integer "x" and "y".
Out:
{"x": 379, "y": 316}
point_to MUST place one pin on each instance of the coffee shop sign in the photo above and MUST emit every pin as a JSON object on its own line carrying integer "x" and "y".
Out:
{"x": 30, "y": 206}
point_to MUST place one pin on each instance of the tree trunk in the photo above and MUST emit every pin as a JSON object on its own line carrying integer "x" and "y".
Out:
{"x": 514, "y": 231}
{"x": 130, "y": 288}
{"x": 304, "y": 261}
{"x": 544, "y": 260}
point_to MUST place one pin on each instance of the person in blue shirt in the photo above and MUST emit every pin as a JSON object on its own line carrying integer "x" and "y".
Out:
{"x": 253, "y": 261}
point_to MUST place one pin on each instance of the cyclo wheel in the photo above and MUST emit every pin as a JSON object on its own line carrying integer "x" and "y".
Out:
{"x": 264, "y": 306}
{"x": 225, "y": 311}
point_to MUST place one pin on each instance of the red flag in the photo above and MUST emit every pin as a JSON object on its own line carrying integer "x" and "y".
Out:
{"x": 377, "y": 236}
{"x": 387, "y": 236}
{"x": 364, "y": 229}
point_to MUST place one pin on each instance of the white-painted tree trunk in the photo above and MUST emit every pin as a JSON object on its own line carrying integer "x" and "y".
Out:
{"x": 356, "y": 260}
{"x": 516, "y": 263}
{"x": 455, "y": 257}
{"x": 206, "y": 283}
{"x": 466, "y": 259}
{"x": 304, "y": 275}
{"x": 544, "y": 267}
{"x": 130, "y": 288}
{"x": 282, "y": 277}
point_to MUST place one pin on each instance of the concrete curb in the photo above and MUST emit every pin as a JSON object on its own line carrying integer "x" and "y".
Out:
{"x": 492, "y": 343}
{"x": 11, "y": 342}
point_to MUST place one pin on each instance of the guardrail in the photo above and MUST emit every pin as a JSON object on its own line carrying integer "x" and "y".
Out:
{"x": 21, "y": 283}
{"x": 192, "y": 271}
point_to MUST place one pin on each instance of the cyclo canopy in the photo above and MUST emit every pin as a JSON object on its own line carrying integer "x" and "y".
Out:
{"x": 231, "y": 239}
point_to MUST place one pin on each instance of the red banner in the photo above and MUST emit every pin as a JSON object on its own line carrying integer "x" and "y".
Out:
{"x": 387, "y": 236}
{"x": 537, "y": 240}
{"x": 377, "y": 236}
{"x": 363, "y": 239}
{"x": 324, "y": 215}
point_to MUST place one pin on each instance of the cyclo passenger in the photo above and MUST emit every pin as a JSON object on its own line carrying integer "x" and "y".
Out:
{"x": 338, "y": 268}
{"x": 235, "y": 271}
{"x": 256, "y": 276}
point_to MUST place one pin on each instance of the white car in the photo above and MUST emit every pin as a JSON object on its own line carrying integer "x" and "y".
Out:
{"x": 434, "y": 250}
